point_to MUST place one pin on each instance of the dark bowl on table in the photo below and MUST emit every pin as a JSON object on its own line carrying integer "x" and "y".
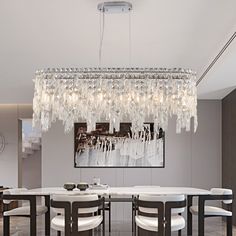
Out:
{"x": 69, "y": 186}
{"x": 82, "y": 186}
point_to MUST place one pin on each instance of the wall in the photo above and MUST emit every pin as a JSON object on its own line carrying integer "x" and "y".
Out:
{"x": 31, "y": 170}
{"x": 191, "y": 159}
{"x": 229, "y": 143}
{"x": 9, "y": 115}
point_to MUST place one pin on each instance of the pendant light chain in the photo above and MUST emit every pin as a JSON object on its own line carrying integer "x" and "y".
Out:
{"x": 102, "y": 26}
{"x": 130, "y": 40}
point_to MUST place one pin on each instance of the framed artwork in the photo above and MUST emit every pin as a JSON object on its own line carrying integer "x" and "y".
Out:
{"x": 120, "y": 149}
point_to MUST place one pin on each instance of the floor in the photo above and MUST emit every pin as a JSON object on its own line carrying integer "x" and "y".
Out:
{"x": 20, "y": 227}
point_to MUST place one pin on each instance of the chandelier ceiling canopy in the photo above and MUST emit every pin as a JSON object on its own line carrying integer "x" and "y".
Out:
{"x": 116, "y": 95}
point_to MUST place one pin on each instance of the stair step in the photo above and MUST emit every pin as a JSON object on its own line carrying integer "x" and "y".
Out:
{"x": 28, "y": 150}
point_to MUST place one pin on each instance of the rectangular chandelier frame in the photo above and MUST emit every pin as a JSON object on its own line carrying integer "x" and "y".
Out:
{"x": 115, "y": 94}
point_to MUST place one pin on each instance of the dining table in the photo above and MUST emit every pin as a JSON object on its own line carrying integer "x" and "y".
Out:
{"x": 116, "y": 194}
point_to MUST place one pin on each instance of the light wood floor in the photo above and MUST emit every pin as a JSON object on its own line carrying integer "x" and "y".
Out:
{"x": 20, "y": 227}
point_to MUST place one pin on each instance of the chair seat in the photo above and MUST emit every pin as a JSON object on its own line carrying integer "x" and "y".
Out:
{"x": 25, "y": 211}
{"x": 84, "y": 223}
{"x": 151, "y": 223}
{"x": 210, "y": 210}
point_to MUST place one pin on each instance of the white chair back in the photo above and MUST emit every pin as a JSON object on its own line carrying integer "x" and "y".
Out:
{"x": 75, "y": 198}
{"x": 222, "y": 191}
{"x": 13, "y": 191}
{"x": 164, "y": 199}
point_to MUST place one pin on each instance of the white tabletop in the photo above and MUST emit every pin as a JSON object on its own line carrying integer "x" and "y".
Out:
{"x": 156, "y": 190}
{"x": 121, "y": 191}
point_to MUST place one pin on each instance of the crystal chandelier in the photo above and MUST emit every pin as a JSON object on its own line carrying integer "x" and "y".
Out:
{"x": 115, "y": 94}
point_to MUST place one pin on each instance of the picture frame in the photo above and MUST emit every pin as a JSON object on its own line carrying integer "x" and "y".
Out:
{"x": 123, "y": 149}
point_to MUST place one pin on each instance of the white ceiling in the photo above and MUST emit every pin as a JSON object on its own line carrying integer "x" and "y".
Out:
{"x": 38, "y": 34}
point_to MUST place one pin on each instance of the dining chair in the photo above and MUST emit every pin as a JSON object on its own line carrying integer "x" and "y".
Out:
{"x": 76, "y": 213}
{"x": 204, "y": 211}
{"x": 133, "y": 205}
{"x": 27, "y": 207}
{"x": 160, "y": 213}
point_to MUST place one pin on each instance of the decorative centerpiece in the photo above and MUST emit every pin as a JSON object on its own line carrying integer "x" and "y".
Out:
{"x": 82, "y": 186}
{"x": 69, "y": 186}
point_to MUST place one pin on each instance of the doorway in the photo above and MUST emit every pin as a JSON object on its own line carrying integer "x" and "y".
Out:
{"x": 30, "y": 155}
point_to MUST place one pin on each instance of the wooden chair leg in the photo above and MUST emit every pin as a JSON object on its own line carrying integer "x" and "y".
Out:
{"x": 103, "y": 227}
{"x": 189, "y": 216}
{"x": 132, "y": 217}
{"x": 6, "y": 225}
{"x": 109, "y": 217}
{"x": 47, "y": 224}
{"x": 190, "y": 223}
{"x": 229, "y": 226}
{"x": 135, "y": 230}
{"x": 201, "y": 225}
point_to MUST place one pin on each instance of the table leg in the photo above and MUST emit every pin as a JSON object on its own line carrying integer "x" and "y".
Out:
{"x": 47, "y": 215}
{"x": 189, "y": 215}
{"x": 33, "y": 224}
{"x": 6, "y": 225}
{"x": 201, "y": 217}
{"x": 229, "y": 226}
{"x": 109, "y": 217}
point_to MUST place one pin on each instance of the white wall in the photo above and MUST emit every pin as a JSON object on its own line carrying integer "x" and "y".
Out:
{"x": 9, "y": 115}
{"x": 191, "y": 159}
